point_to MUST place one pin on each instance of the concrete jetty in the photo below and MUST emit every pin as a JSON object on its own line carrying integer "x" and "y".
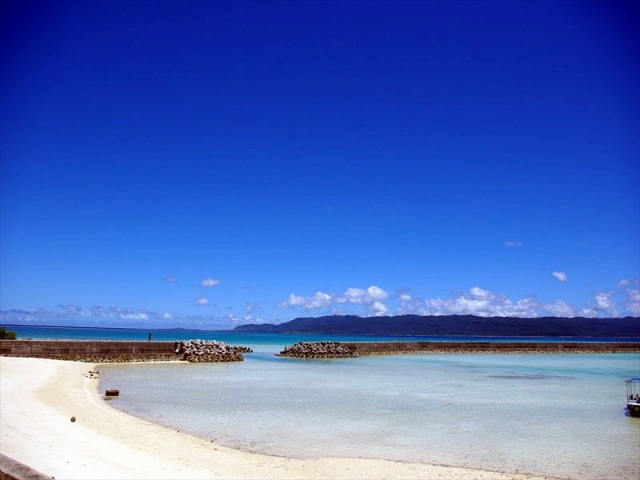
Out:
{"x": 105, "y": 351}
{"x": 356, "y": 349}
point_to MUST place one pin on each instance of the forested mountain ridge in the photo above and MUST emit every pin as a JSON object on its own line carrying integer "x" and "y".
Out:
{"x": 455, "y": 325}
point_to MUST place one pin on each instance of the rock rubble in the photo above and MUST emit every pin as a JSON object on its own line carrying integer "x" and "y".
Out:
{"x": 318, "y": 350}
{"x": 208, "y": 351}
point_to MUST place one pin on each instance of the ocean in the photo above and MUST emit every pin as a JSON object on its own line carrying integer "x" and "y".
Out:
{"x": 560, "y": 415}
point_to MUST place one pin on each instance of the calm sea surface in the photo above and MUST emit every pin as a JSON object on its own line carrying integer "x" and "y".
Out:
{"x": 557, "y": 414}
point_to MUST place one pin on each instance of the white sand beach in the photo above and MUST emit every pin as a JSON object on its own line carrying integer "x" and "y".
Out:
{"x": 38, "y": 397}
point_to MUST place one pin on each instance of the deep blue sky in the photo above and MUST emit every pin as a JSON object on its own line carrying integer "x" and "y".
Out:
{"x": 306, "y": 158}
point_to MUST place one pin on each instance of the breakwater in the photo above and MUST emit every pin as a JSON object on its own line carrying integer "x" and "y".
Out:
{"x": 122, "y": 351}
{"x": 101, "y": 351}
{"x": 208, "y": 351}
{"x": 355, "y": 349}
{"x": 318, "y": 350}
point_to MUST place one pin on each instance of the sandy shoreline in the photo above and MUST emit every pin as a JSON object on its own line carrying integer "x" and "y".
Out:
{"x": 38, "y": 397}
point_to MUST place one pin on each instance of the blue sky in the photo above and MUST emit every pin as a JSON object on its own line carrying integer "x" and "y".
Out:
{"x": 208, "y": 164}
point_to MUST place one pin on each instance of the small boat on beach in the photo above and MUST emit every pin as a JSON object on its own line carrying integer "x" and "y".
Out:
{"x": 633, "y": 396}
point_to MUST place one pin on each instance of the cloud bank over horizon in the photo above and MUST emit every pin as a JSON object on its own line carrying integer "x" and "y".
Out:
{"x": 622, "y": 301}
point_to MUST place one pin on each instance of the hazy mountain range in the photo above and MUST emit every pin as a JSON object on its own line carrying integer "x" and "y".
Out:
{"x": 455, "y": 325}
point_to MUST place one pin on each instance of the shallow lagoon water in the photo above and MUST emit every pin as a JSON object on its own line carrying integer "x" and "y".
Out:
{"x": 557, "y": 414}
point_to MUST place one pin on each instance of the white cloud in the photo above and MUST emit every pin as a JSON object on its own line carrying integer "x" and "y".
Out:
{"x": 559, "y": 309}
{"x": 72, "y": 309}
{"x": 210, "y": 282}
{"x": 118, "y": 317}
{"x": 632, "y": 302}
{"x": 363, "y": 297}
{"x": 477, "y": 302}
{"x": 135, "y": 316}
{"x": 242, "y": 319}
{"x": 621, "y": 301}
{"x": 631, "y": 291}
{"x": 170, "y": 279}
{"x": 352, "y": 295}
{"x": 379, "y": 308}
{"x": 371, "y": 298}
{"x": 376, "y": 293}
{"x": 561, "y": 276}
{"x": 318, "y": 300}
{"x": 409, "y": 305}
{"x": 293, "y": 301}
{"x": 100, "y": 311}
{"x": 512, "y": 244}
{"x": 480, "y": 294}
{"x": 480, "y": 302}
{"x": 602, "y": 304}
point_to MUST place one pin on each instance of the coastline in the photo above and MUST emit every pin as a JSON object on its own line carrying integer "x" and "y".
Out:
{"x": 101, "y": 351}
{"x": 38, "y": 397}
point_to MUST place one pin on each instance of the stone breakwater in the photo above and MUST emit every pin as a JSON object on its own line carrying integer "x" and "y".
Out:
{"x": 208, "y": 351}
{"x": 318, "y": 350}
{"x": 116, "y": 351}
{"x": 355, "y": 349}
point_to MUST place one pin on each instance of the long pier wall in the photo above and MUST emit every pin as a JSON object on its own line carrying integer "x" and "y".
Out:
{"x": 357, "y": 349}
{"x": 94, "y": 351}
{"x": 393, "y": 348}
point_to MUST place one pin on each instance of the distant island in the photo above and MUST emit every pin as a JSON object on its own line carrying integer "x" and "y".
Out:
{"x": 458, "y": 325}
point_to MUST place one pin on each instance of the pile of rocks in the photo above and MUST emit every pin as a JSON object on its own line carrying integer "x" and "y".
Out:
{"x": 318, "y": 350}
{"x": 208, "y": 351}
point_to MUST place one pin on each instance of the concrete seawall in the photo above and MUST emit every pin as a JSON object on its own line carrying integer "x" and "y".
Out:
{"x": 141, "y": 351}
{"x": 96, "y": 351}
{"x": 393, "y": 348}
{"x": 358, "y": 349}
{"x": 90, "y": 351}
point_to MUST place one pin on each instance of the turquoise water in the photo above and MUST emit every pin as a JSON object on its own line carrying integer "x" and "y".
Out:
{"x": 559, "y": 415}
{"x": 115, "y": 334}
